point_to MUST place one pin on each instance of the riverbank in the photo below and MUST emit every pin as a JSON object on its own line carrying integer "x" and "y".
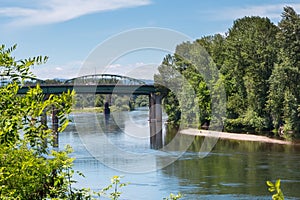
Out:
{"x": 91, "y": 109}
{"x": 99, "y": 109}
{"x": 234, "y": 136}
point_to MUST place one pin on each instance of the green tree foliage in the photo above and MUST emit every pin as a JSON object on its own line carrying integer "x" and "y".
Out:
{"x": 215, "y": 46}
{"x": 26, "y": 170}
{"x": 117, "y": 102}
{"x": 284, "y": 91}
{"x": 194, "y": 82}
{"x": 288, "y": 36}
{"x": 141, "y": 101}
{"x": 259, "y": 64}
{"x": 194, "y": 64}
{"x": 99, "y": 100}
{"x": 169, "y": 77}
{"x": 249, "y": 60}
{"x": 26, "y": 175}
{"x": 88, "y": 100}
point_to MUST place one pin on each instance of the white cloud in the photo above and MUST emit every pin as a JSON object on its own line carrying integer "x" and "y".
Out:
{"x": 137, "y": 70}
{"x": 55, "y": 11}
{"x": 114, "y": 66}
{"x": 271, "y": 11}
{"x": 50, "y": 71}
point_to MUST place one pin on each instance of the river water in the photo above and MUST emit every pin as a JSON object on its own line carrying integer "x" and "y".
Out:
{"x": 120, "y": 145}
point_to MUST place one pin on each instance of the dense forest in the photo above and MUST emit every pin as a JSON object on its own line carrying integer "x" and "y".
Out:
{"x": 258, "y": 66}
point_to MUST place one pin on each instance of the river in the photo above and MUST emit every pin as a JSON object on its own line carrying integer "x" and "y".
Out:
{"x": 120, "y": 145}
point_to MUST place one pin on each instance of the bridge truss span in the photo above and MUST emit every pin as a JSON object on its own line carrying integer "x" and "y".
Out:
{"x": 105, "y": 79}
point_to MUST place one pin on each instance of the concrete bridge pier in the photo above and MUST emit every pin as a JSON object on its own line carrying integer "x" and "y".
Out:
{"x": 44, "y": 119}
{"x": 44, "y": 123}
{"x": 155, "y": 120}
{"x": 55, "y": 123}
{"x": 55, "y": 127}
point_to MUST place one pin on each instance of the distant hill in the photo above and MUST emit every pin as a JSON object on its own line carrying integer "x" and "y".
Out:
{"x": 148, "y": 81}
{"x": 62, "y": 80}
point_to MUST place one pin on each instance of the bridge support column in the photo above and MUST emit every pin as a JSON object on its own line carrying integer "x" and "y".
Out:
{"x": 44, "y": 123}
{"x": 44, "y": 114}
{"x": 55, "y": 127}
{"x": 155, "y": 115}
{"x": 44, "y": 119}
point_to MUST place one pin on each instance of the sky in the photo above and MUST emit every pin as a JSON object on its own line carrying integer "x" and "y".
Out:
{"x": 70, "y": 31}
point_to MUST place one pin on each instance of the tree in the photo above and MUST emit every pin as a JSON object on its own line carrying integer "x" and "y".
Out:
{"x": 141, "y": 101}
{"x": 26, "y": 172}
{"x": 189, "y": 75}
{"x": 289, "y": 36}
{"x": 250, "y": 56}
{"x": 260, "y": 67}
{"x": 215, "y": 46}
{"x": 170, "y": 78}
{"x": 99, "y": 100}
{"x": 284, "y": 93}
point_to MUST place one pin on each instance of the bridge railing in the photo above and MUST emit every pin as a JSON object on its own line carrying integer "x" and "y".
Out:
{"x": 105, "y": 79}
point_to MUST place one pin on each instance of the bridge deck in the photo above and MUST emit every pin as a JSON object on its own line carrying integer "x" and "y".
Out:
{"x": 94, "y": 89}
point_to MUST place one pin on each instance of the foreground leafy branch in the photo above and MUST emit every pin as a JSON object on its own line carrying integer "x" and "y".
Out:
{"x": 29, "y": 169}
{"x": 173, "y": 196}
{"x": 115, "y": 187}
{"x": 275, "y": 188}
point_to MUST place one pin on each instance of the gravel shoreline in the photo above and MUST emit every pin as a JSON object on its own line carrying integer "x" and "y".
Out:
{"x": 234, "y": 136}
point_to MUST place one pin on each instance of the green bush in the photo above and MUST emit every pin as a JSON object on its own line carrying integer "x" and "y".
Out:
{"x": 26, "y": 175}
{"x": 29, "y": 170}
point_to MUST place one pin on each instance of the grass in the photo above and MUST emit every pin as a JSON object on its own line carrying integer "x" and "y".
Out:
{"x": 90, "y": 109}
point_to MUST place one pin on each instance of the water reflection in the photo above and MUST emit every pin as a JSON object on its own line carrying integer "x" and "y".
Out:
{"x": 239, "y": 168}
{"x": 233, "y": 170}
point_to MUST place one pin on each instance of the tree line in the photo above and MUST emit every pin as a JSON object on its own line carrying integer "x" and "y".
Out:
{"x": 258, "y": 66}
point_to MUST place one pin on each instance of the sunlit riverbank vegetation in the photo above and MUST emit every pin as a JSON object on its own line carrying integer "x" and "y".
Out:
{"x": 259, "y": 69}
{"x": 95, "y": 103}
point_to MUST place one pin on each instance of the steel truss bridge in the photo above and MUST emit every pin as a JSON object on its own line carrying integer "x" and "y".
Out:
{"x": 112, "y": 84}
{"x": 96, "y": 84}
{"x": 105, "y": 79}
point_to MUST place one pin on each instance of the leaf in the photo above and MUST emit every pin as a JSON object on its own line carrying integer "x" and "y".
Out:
{"x": 277, "y": 184}
{"x": 271, "y": 189}
{"x": 80, "y": 174}
{"x": 269, "y": 183}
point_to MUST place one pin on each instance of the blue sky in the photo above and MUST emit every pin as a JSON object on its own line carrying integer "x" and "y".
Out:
{"x": 69, "y": 30}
